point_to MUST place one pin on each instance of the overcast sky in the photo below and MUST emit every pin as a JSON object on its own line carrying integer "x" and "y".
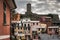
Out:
{"x": 39, "y": 6}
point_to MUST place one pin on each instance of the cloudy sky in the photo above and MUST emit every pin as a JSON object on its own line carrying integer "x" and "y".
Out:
{"x": 39, "y": 6}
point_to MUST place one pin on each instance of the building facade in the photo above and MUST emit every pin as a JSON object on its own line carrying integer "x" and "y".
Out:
{"x": 5, "y": 9}
{"x": 53, "y": 30}
{"x": 15, "y": 17}
{"x": 30, "y": 28}
{"x": 15, "y": 24}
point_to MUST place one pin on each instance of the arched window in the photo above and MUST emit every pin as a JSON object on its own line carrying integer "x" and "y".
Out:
{"x": 28, "y": 27}
{"x": 4, "y": 13}
{"x": 25, "y": 27}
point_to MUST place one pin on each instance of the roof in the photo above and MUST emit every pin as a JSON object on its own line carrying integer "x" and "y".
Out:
{"x": 11, "y": 4}
{"x": 33, "y": 16}
{"x": 56, "y": 21}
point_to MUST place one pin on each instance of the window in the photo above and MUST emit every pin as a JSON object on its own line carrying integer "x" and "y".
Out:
{"x": 33, "y": 23}
{"x": 34, "y": 32}
{"x": 16, "y": 25}
{"x": 22, "y": 24}
{"x": 4, "y": 7}
{"x": 19, "y": 32}
{"x": 39, "y": 29}
{"x": 48, "y": 19}
{"x": 28, "y": 27}
{"x": 21, "y": 27}
{"x": 34, "y": 37}
{"x": 20, "y": 37}
{"x": 37, "y": 23}
{"x": 28, "y": 36}
{"x": 50, "y": 29}
{"x": 25, "y": 26}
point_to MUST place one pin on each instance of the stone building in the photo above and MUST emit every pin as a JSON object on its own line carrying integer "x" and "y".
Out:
{"x": 5, "y": 14}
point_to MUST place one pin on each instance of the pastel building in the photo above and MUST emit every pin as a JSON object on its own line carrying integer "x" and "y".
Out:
{"x": 5, "y": 14}
{"x": 43, "y": 28}
{"x": 30, "y": 27}
{"x": 35, "y": 25}
{"x": 19, "y": 33}
{"x": 46, "y": 20}
{"x": 26, "y": 25}
{"x": 59, "y": 30}
{"x": 17, "y": 28}
{"x": 53, "y": 30}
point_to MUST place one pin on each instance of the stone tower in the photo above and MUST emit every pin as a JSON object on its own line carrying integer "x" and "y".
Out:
{"x": 28, "y": 7}
{"x": 28, "y": 12}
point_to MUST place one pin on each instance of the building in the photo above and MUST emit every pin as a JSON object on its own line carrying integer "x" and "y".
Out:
{"x": 30, "y": 27}
{"x": 17, "y": 28}
{"x": 46, "y": 20}
{"x": 57, "y": 23}
{"x": 15, "y": 20}
{"x": 15, "y": 24}
{"x": 27, "y": 28}
{"x": 15, "y": 17}
{"x": 43, "y": 28}
{"x": 35, "y": 26}
{"x": 5, "y": 12}
{"x": 53, "y": 30}
{"x": 34, "y": 16}
{"x": 19, "y": 31}
{"x": 59, "y": 31}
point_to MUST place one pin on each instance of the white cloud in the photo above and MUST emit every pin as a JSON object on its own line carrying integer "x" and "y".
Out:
{"x": 40, "y": 2}
{"x": 22, "y": 0}
{"x": 33, "y": 4}
{"x": 21, "y": 11}
{"x": 34, "y": 0}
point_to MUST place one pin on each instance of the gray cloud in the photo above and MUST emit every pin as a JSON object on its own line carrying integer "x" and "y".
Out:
{"x": 38, "y": 6}
{"x": 58, "y": 0}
